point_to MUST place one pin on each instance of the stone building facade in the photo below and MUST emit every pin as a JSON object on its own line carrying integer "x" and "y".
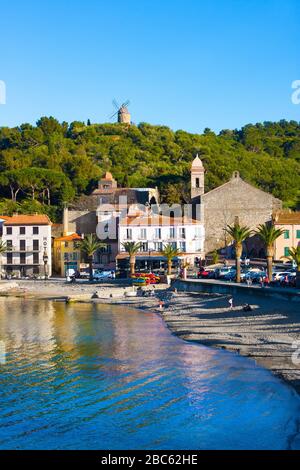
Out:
{"x": 103, "y": 208}
{"x": 234, "y": 201}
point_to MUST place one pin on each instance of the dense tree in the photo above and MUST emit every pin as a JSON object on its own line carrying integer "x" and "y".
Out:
{"x": 267, "y": 155}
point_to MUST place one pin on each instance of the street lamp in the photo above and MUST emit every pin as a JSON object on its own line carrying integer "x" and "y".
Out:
{"x": 45, "y": 260}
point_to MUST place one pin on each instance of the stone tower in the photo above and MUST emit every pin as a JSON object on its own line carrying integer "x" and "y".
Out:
{"x": 124, "y": 116}
{"x": 197, "y": 178}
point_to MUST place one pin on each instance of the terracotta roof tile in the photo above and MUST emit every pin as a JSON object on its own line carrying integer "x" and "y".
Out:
{"x": 36, "y": 219}
{"x": 287, "y": 218}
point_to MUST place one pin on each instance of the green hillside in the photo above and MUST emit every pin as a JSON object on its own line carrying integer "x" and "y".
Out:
{"x": 44, "y": 165}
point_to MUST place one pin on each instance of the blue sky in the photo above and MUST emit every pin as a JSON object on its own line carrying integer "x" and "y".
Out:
{"x": 188, "y": 64}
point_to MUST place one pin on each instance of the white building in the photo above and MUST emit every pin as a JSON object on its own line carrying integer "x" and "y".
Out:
{"x": 28, "y": 241}
{"x": 156, "y": 231}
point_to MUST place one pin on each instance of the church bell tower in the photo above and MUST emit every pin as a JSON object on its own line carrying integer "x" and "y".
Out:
{"x": 197, "y": 178}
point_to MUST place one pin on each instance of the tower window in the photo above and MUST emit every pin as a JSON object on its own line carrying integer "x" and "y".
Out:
{"x": 197, "y": 182}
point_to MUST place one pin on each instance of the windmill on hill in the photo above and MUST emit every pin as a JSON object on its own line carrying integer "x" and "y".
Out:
{"x": 124, "y": 116}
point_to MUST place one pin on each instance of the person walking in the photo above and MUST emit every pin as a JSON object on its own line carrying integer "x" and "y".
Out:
{"x": 230, "y": 301}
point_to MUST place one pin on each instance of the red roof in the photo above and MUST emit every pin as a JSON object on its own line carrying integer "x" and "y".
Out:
{"x": 36, "y": 219}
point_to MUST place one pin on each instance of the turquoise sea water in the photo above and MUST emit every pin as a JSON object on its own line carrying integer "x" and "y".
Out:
{"x": 100, "y": 377}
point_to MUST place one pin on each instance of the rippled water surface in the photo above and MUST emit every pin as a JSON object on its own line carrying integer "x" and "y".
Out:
{"x": 101, "y": 377}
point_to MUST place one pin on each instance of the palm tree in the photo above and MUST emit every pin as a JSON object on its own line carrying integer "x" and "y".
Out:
{"x": 89, "y": 245}
{"x": 239, "y": 234}
{"x": 3, "y": 249}
{"x": 132, "y": 249}
{"x": 269, "y": 234}
{"x": 294, "y": 256}
{"x": 170, "y": 252}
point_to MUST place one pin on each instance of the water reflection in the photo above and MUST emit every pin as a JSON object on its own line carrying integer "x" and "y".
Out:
{"x": 88, "y": 376}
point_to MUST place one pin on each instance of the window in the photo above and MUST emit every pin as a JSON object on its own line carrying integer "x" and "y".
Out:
{"x": 143, "y": 234}
{"x": 197, "y": 182}
{"x": 9, "y": 257}
{"x": 287, "y": 235}
{"x": 158, "y": 233}
{"x": 298, "y": 234}
{"x": 36, "y": 246}
{"x": 9, "y": 245}
{"x": 66, "y": 244}
{"x": 23, "y": 258}
{"x": 158, "y": 246}
{"x": 286, "y": 251}
{"x": 172, "y": 232}
{"x": 182, "y": 246}
{"x": 35, "y": 231}
{"x": 22, "y": 245}
{"x": 35, "y": 258}
{"x": 66, "y": 256}
{"x": 182, "y": 232}
{"x": 8, "y": 230}
{"x": 144, "y": 247}
{"x": 22, "y": 231}
{"x": 129, "y": 234}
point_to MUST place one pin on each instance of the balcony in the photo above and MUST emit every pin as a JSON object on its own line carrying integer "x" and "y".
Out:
{"x": 27, "y": 249}
{"x": 15, "y": 262}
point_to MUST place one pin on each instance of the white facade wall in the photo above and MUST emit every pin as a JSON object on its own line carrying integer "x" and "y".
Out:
{"x": 191, "y": 243}
{"x": 44, "y": 239}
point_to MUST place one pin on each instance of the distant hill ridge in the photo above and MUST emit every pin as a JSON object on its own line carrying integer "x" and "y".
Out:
{"x": 62, "y": 161}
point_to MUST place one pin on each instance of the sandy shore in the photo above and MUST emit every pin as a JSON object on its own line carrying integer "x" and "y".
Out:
{"x": 269, "y": 334}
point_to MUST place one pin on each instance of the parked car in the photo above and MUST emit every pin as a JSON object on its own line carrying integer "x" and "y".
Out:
{"x": 203, "y": 273}
{"x": 221, "y": 272}
{"x": 280, "y": 275}
{"x": 230, "y": 276}
{"x": 84, "y": 274}
{"x": 255, "y": 276}
{"x": 101, "y": 275}
{"x": 289, "y": 280}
